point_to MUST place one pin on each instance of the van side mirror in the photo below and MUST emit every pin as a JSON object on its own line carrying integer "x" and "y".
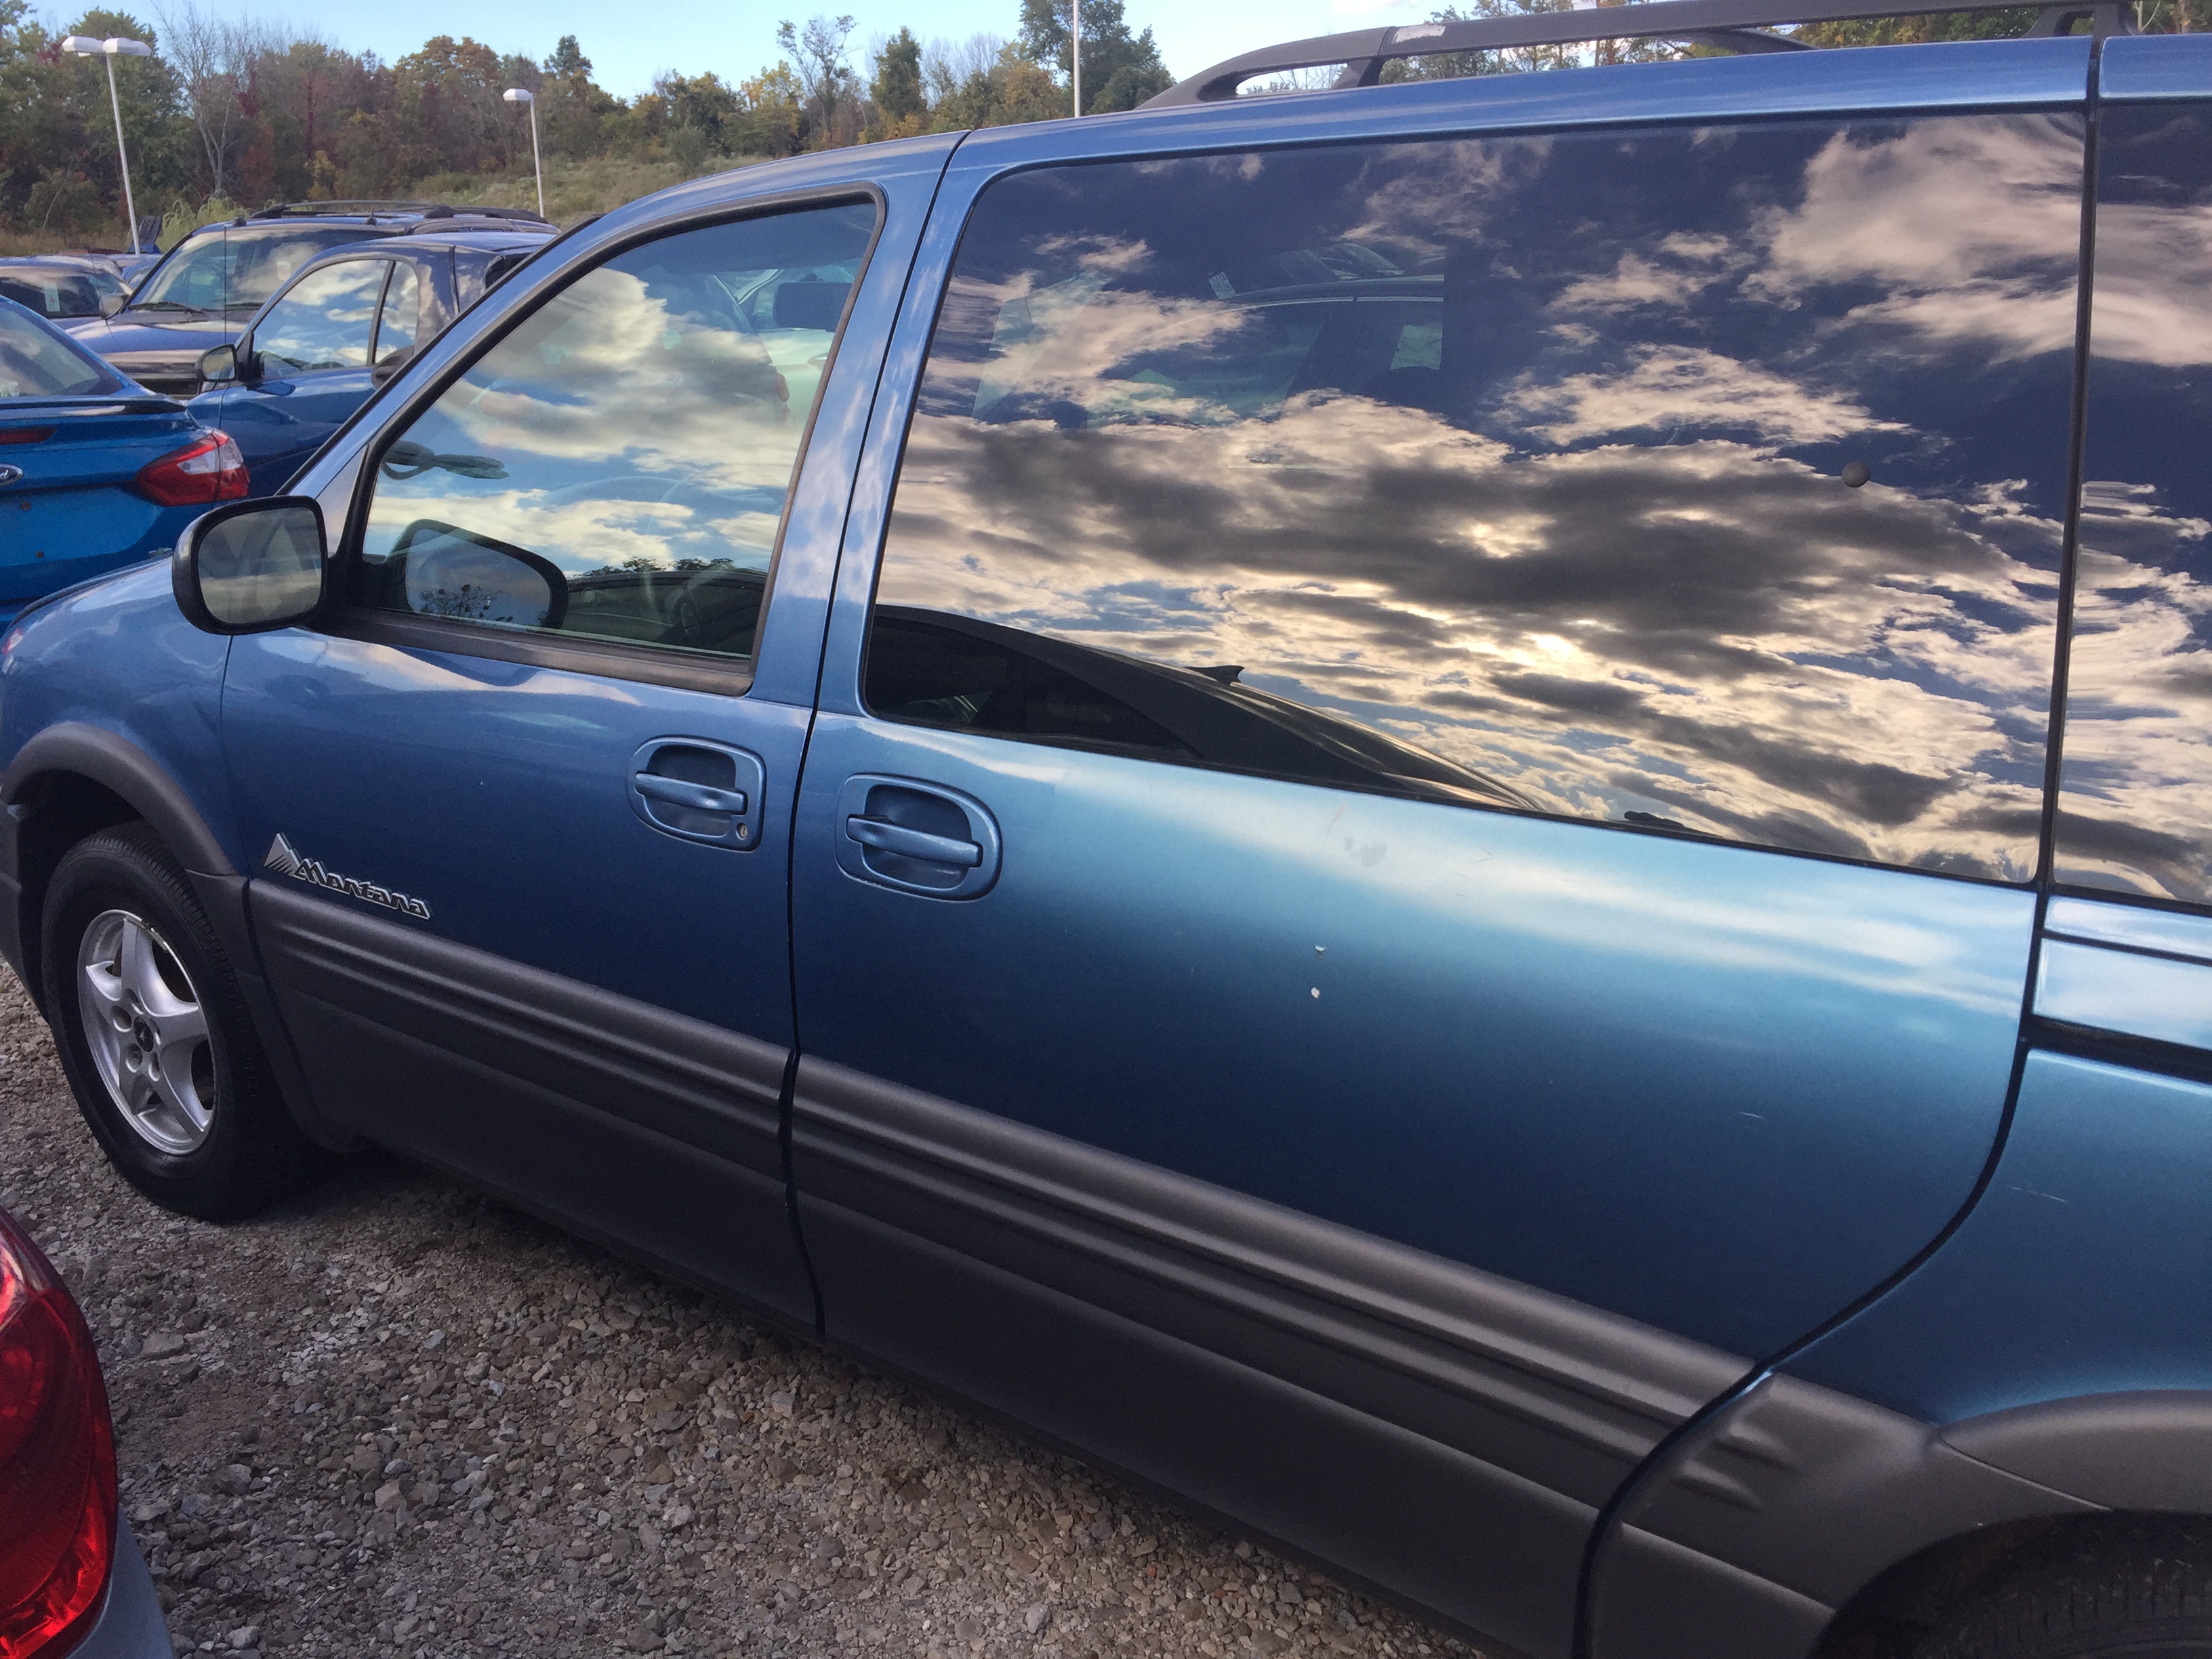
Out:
{"x": 111, "y": 303}
{"x": 251, "y": 568}
{"x": 218, "y": 364}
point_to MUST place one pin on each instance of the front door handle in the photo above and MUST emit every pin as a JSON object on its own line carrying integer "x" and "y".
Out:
{"x": 912, "y": 843}
{"x": 916, "y": 837}
{"x": 699, "y": 790}
{"x": 699, "y": 797}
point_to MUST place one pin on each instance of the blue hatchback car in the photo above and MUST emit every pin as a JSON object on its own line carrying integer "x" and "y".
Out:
{"x": 95, "y": 471}
{"x": 1471, "y": 816}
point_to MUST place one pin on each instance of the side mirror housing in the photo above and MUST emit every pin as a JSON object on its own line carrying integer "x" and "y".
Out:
{"x": 111, "y": 303}
{"x": 253, "y": 566}
{"x": 393, "y": 364}
{"x": 218, "y": 364}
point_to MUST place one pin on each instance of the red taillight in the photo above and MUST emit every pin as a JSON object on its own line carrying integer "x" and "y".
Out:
{"x": 56, "y": 1459}
{"x": 208, "y": 468}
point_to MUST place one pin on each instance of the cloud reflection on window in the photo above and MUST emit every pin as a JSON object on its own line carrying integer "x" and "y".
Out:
{"x": 633, "y": 430}
{"x": 2134, "y": 812}
{"x": 1554, "y": 496}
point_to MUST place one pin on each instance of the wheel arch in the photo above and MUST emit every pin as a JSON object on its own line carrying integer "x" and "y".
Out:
{"x": 1889, "y": 1617}
{"x": 1800, "y": 1521}
{"x": 71, "y": 780}
{"x": 74, "y": 780}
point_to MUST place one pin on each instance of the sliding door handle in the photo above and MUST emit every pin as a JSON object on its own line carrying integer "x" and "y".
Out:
{"x": 701, "y": 798}
{"x": 886, "y": 836}
{"x": 916, "y": 837}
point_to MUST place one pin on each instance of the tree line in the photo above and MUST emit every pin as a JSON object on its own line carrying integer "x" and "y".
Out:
{"x": 240, "y": 113}
{"x": 234, "y": 115}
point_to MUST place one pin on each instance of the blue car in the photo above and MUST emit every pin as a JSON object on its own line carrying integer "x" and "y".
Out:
{"x": 344, "y": 326}
{"x": 1471, "y": 816}
{"x": 95, "y": 471}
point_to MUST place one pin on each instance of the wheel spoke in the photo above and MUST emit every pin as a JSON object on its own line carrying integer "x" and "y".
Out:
{"x": 177, "y": 1093}
{"x": 105, "y": 985}
{"x": 141, "y": 973}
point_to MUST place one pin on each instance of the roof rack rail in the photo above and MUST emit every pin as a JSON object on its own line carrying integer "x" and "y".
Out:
{"x": 1736, "y": 25}
{"x": 370, "y": 209}
{"x": 311, "y": 210}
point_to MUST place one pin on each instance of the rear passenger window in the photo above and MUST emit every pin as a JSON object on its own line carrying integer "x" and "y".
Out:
{"x": 2135, "y": 807}
{"x": 1708, "y": 481}
{"x": 615, "y": 467}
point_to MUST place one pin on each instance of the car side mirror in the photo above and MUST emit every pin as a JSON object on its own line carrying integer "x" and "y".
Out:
{"x": 218, "y": 364}
{"x": 392, "y": 365}
{"x": 253, "y": 567}
{"x": 111, "y": 303}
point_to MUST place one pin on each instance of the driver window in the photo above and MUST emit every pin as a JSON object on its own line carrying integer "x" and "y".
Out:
{"x": 615, "y": 467}
{"x": 324, "y": 323}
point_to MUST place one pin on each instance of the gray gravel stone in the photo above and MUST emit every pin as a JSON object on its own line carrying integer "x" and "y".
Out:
{"x": 589, "y": 1460}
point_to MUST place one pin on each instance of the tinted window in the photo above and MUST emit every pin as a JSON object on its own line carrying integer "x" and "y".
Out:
{"x": 615, "y": 467}
{"x": 2135, "y": 810}
{"x": 322, "y": 323}
{"x": 51, "y": 293}
{"x": 235, "y": 268}
{"x": 1701, "y": 480}
{"x": 35, "y": 364}
{"x": 402, "y": 305}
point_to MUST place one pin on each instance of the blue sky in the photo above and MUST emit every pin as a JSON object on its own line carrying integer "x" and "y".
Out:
{"x": 629, "y": 47}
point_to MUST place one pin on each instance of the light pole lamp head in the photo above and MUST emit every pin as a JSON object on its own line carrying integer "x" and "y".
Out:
{"x": 520, "y": 95}
{"x": 85, "y": 46}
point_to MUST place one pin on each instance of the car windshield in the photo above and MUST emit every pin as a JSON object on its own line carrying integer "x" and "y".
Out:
{"x": 34, "y": 363}
{"x": 236, "y": 271}
{"x": 52, "y": 293}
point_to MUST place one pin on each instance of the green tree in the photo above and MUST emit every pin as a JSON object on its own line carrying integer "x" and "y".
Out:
{"x": 1119, "y": 70}
{"x": 897, "y": 90}
{"x": 829, "y": 89}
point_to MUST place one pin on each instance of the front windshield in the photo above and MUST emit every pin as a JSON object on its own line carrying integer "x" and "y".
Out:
{"x": 35, "y": 364}
{"x": 235, "y": 271}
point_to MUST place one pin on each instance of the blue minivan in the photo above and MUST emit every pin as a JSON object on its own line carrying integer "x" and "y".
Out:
{"x": 1456, "y": 814}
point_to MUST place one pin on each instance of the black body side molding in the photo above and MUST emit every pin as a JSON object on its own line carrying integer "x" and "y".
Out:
{"x": 623, "y": 1119}
{"x": 1455, "y": 1432}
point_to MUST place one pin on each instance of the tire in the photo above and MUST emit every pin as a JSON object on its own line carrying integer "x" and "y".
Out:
{"x": 2143, "y": 1591}
{"x": 155, "y": 1037}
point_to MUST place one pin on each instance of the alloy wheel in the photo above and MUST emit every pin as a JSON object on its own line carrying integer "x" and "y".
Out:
{"x": 146, "y": 1031}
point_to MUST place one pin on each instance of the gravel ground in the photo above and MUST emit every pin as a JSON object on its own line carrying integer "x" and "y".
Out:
{"x": 395, "y": 1417}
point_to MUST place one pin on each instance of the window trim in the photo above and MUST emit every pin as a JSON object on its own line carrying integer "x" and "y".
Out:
{"x": 384, "y": 299}
{"x": 652, "y": 664}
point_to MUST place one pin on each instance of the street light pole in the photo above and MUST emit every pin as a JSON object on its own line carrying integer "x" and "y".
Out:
{"x": 523, "y": 95}
{"x": 1075, "y": 47}
{"x": 84, "y": 46}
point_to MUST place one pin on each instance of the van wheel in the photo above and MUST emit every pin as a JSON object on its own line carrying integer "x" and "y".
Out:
{"x": 2145, "y": 1594}
{"x": 154, "y": 1038}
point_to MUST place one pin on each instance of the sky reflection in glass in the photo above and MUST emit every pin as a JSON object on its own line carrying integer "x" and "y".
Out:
{"x": 2135, "y": 810}
{"x": 1532, "y": 453}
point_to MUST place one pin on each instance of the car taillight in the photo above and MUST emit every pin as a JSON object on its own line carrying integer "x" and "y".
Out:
{"x": 56, "y": 1459}
{"x": 208, "y": 468}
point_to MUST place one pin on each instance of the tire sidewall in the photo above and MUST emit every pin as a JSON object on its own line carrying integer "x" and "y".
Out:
{"x": 112, "y": 872}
